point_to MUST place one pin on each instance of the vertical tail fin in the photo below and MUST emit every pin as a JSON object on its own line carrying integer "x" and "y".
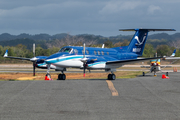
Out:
{"x": 137, "y": 43}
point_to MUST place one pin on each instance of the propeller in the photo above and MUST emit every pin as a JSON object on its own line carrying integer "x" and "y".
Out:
{"x": 84, "y": 60}
{"x": 34, "y": 60}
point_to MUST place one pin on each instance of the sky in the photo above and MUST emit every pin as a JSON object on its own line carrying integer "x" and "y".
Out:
{"x": 98, "y": 17}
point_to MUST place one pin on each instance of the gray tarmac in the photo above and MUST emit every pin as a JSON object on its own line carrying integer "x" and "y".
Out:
{"x": 142, "y": 98}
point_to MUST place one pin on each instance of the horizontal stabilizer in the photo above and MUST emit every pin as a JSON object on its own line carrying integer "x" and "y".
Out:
{"x": 147, "y": 29}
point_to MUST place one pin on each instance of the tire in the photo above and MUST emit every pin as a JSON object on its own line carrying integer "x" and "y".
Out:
{"x": 60, "y": 77}
{"x": 109, "y": 77}
{"x": 143, "y": 73}
{"x": 167, "y": 74}
{"x": 113, "y": 76}
{"x": 63, "y": 76}
{"x": 48, "y": 75}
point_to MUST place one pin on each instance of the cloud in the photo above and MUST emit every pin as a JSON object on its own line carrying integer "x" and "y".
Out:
{"x": 152, "y": 9}
{"x": 102, "y": 17}
{"x": 113, "y": 7}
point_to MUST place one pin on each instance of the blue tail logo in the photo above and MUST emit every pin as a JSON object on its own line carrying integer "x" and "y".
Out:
{"x": 137, "y": 38}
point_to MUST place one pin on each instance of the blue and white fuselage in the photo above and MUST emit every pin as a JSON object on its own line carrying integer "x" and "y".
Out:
{"x": 71, "y": 56}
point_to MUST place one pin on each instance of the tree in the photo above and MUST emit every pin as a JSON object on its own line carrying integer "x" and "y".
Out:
{"x": 163, "y": 50}
{"x": 149, "y": 51}
{"x": 108, "y": 44}
{"x": 10, "y": 52}
{"x": 125, "y": 43}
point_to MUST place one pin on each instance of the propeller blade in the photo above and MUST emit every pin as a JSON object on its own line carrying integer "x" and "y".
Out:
{"x": 84, "y": 62}
{"x": 84, "y": 69}
{"x": 34, "y": 67}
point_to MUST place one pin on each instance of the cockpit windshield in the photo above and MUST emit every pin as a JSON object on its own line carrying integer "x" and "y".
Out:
{"x": 66, "y": 50}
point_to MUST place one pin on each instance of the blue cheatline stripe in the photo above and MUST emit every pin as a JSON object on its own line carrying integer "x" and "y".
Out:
{"x": 41, "y": 64}
{"x": 96, "y": 63}
{"x": 63, "y": 59}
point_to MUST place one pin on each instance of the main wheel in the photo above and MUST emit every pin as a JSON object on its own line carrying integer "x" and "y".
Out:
{"x": 143, "y": 73}
{"x": 167, "y": 74}
{"x": 113, "y": 76}
{"x": 63, "y": 77}
{"x": 109, "y": 77}
{"x": 60, "y": 77}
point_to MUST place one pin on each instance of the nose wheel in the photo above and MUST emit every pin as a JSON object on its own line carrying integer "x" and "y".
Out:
{"x": 61, "y": 77}
{"x": 111, "y": 77}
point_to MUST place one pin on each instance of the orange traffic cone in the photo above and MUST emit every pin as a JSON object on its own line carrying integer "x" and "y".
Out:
{"x": 47, "y": 77}
{"x": 164, "y": 76}
{"x": 175, "y": 69}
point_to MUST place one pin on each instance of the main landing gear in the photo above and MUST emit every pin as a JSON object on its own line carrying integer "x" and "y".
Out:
{"x": 111, "y": 76}
{"x": 61, "y": 76}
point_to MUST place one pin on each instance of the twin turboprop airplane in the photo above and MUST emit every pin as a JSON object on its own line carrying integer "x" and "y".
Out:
{"x": 101, "y": 58}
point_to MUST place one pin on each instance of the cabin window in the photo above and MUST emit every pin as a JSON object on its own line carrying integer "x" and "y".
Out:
{"x": 66, "y": 50}
{"x": 87, "y": 51}
{"x": 107, "y": 53}
{"x": 102, "y": 52}
{"x": 75, "y": 51}
{"x": 98, "y": 53}
{"x": 95, "y": 52}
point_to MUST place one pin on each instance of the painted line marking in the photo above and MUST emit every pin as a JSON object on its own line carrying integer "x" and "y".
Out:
{"x": 112, "y": 88}
{"x": 27, "y": 78}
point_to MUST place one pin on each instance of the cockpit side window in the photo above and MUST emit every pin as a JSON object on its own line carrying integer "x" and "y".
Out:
{"x": 66, "y": 50}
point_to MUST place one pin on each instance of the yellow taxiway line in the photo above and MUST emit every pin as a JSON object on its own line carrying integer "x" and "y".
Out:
{"x": 27, "y": 78}
{"x": 112, "y": 88}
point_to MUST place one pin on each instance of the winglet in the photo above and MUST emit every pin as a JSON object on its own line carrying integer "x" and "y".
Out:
{"x": 6, "y": 53}
{"x": 173, "y": 53}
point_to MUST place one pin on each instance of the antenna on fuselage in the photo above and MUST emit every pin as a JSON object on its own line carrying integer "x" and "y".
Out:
{"x": 103, "y": 46}
{"x": 34, "y": 49}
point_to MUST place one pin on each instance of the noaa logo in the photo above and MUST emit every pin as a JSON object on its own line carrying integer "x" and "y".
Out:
{"x": 137, "y": 38}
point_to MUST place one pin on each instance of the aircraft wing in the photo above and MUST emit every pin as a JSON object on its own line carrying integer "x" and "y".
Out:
{"x": 171, "y": 58}
{"x": 145, "y": 66}
{"x": 167, "y": 66}
{"x": 21, "y": 58}
{"x": 130, "y": 61}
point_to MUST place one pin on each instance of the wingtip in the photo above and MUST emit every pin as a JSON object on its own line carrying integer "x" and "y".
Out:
{"x": 6, "y": 53}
